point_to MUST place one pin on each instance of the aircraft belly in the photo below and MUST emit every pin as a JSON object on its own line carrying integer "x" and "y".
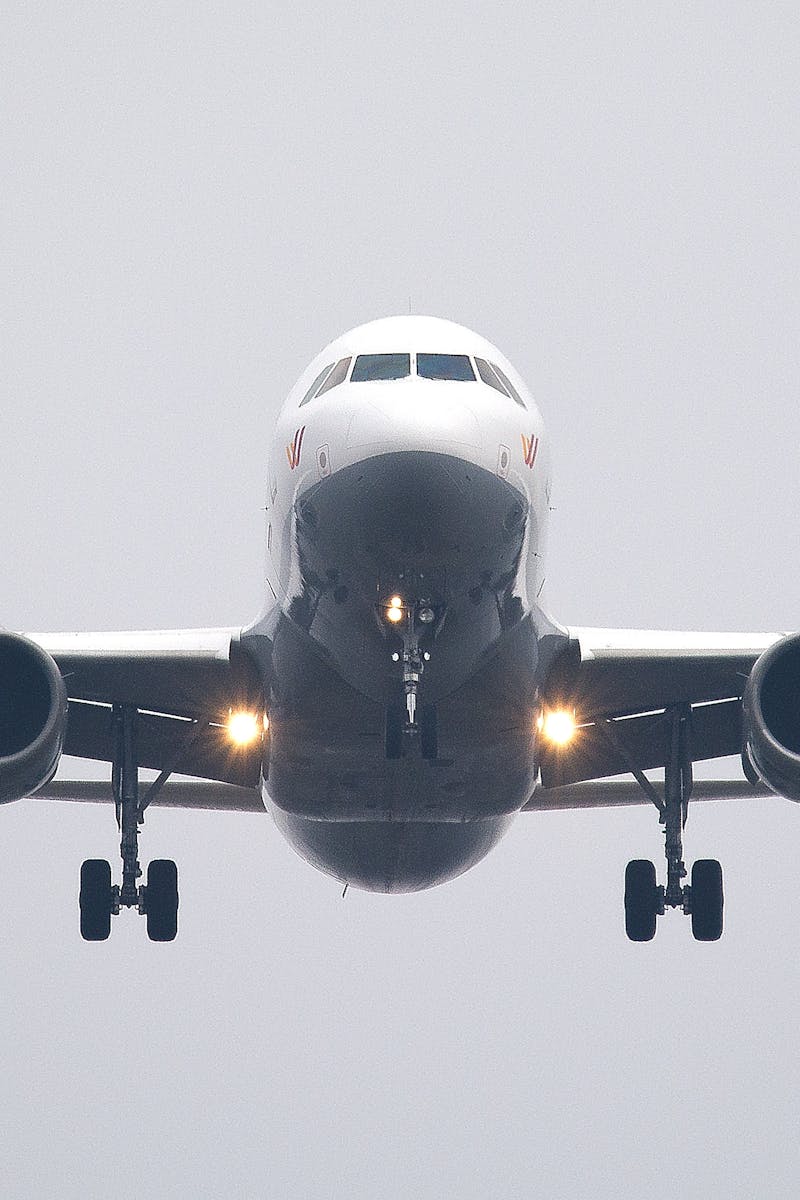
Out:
{"x": 392, "y": 857}
{"x": 327, "y": 750}
{"x": 410, "y": 823}
{"x": 440, "y": 534}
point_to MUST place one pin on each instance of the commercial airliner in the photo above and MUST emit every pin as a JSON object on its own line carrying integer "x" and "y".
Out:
{"x": 404, "y": 694}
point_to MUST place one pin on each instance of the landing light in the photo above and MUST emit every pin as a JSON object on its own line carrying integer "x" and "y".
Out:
{"x": 558, "y": 726}
{"x": 394, "y": 609}
{"x": 245, "y": 727}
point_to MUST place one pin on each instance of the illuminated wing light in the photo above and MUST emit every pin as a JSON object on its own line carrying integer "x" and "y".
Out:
{"x": 558, "y": 726}
{"x": 245, "y": 727}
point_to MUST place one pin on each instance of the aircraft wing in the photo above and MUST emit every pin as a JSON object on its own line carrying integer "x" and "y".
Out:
{"x": 620, "y": 682}
{"x": 184, "y": 683}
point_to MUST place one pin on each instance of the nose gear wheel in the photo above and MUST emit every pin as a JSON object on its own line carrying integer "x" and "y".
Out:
{"x": 412, "y": 720}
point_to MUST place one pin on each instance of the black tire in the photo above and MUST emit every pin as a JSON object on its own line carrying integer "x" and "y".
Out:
{"x": 161, "y": 900}
{"x": 395, "y": 722}
{"x": 428, "y": 732}
{"x": 95, "y": 900}
{"x": 641, "y": 900}
{"x": 707, "y": 900}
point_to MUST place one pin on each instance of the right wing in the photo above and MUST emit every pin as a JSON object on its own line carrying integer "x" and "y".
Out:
{"x": 184, "y": 683}
{"x": 201, "y": 794}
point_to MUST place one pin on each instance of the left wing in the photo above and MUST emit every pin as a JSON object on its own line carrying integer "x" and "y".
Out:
{"x": 620, "y": 682}
{"x": 184, "y": 683}
{"x": 615, "y": 793}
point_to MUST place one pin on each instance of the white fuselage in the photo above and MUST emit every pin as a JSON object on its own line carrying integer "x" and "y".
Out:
{"x": 352, "y": 422}
{"x": 409, "y": 465}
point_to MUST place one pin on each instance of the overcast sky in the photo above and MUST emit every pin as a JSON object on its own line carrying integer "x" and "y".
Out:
{"x": 195, "y": 199}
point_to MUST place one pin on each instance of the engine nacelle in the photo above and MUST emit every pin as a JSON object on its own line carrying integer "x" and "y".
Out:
{"x": 33, "y": 717}
{"x": 772, "y": 717}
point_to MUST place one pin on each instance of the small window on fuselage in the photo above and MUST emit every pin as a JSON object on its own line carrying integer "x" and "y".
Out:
{"x": 512, "y": 391}
{"x": 445, "y": 366}
{"x": 337, "y": 376}
{"x": 381, "y": 366}
{"x": 312, "y": 391}
{"x": 487, "y": 374}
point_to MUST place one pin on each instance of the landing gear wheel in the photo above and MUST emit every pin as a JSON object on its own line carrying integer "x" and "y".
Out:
{"x": 641, "y": 900}
{"x": 161, "y": 900}
{"x": 707, "y": 900}
{"x": 428, "y": 732}
{"x": 395, "y": 727}
{"x": 95, "y": 900}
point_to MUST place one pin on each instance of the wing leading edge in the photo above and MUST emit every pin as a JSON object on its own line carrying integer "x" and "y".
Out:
{"x": 621, "y": 684}
{"x": 184, "y": 683}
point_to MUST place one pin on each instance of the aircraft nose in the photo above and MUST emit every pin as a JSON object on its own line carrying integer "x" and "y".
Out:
{"x": 412, "y": 418}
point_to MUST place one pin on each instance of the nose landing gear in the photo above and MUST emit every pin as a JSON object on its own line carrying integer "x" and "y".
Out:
{"x": 157, "y": 900}
{"x": 412, "y": 720}
{"x": 400, "y": 731}
{"x": 413, "y": 666}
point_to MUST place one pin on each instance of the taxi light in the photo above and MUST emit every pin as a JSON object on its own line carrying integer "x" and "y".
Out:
{"x": 394, "y": 609}
{"x": 558, "y": 726}
{"x": 245, "y": 727}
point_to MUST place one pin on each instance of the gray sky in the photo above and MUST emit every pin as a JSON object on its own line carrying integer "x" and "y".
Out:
{"x": 195, "y": 199}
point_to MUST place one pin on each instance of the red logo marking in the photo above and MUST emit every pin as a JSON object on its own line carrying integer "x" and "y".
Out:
{"x": 530, "y": 447}
{"x": 293, "y": 451}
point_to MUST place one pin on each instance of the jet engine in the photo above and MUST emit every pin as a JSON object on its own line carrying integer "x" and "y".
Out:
{"x": 33, "y": 717}
{"x": 772, "y": 717}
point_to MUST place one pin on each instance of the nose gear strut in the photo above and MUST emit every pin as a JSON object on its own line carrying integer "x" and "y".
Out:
{"x": 413, "y": 667}
{"x": 417, "y": 719}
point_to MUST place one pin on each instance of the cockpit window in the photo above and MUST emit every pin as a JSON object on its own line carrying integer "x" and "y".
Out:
{"x": 487, "y": 374}
{"x": 512, "y": 391}
{"x": 312, "y": 391}
{"x": 381, "y": 366}
{"x": 445, "y": 366}
{"x": 337, "y": 376}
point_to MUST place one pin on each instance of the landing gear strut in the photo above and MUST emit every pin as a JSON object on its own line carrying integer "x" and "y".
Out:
{"x": 412, "y": 673}
{"x": 412, "y": 720}
{"x": 645, "y": 901}
{"x": 157, "y": 900}
{"x": 398, "y": 730}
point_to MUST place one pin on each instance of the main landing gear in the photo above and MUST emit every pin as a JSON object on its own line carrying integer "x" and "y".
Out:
{"x": 645, "y": 900}
{"x": 157, "y": 900}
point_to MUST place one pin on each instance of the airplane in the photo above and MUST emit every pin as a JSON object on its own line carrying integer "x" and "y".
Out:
{"x": 404, "y": 694}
